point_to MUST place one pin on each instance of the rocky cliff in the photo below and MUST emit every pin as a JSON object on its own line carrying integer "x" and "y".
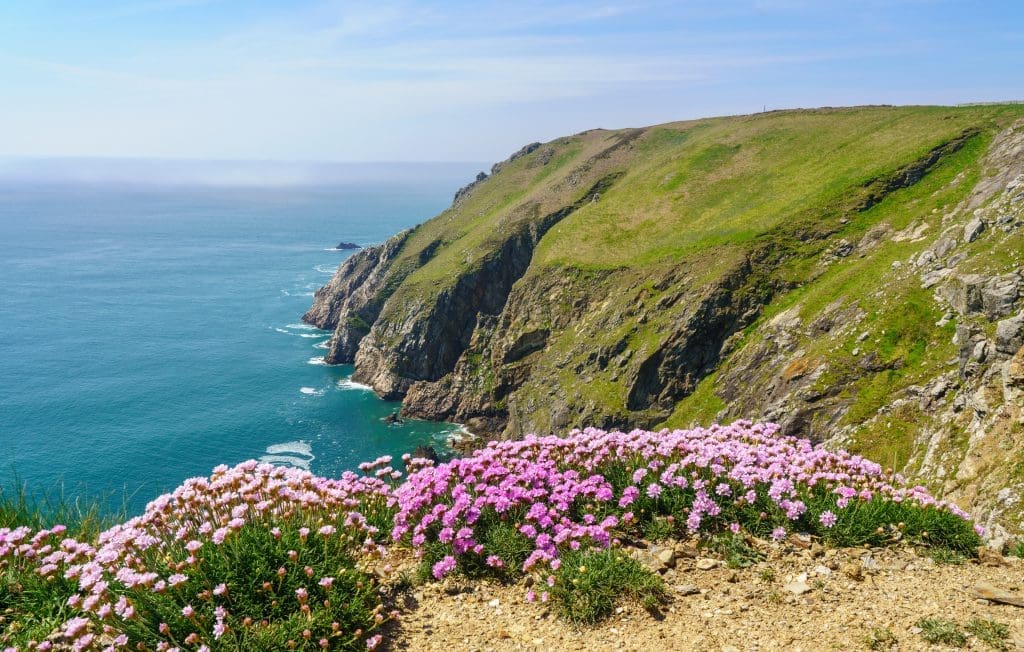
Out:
{"x": 854, "y": 274}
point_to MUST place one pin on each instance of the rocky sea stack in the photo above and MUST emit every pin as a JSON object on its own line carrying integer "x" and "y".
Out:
{"x": 853, "y": 274}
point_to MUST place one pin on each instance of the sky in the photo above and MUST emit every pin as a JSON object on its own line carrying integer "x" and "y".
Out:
{"x": 321, "y": 80}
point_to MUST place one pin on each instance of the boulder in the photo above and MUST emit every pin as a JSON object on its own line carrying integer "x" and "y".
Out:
{"x": 973, "y": 229}
{"x": 999, "y": 294}
{"x": 963, "y": 293}
{"x": 1010, "y": 335}
{"x": 942, "y": 247}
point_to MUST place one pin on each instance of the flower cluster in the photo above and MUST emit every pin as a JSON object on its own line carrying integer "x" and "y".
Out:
{"x": 561, "y": 493}
{"x": 264, "y": 557}
{"x": 44, "y": 553}
{"x": 182, "y": 574}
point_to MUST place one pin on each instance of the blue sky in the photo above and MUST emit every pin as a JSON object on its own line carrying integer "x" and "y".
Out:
{"x": 463, "y": 81}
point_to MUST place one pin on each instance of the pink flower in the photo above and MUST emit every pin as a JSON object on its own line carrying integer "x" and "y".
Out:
{"x": 443, "y": 567}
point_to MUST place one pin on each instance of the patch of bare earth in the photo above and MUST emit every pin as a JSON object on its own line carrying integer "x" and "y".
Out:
{"x": 796, "y": 600}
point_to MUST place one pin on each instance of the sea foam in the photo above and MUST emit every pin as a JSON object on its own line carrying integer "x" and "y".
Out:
{"x": 348, "y": 383}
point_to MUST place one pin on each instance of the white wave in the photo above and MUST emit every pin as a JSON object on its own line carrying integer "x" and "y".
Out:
{"x": 326, "y": 269}
{"x": 348, "y": 383}
{"x": 318, "y": 360}
{"x": 326, "y": 344}
{"x": 286, "y": 332}
{"x": 311, "y": 391}
{"x": 302, "y": 327}
{"x": 310, "y": 336}
{"x": 297, "y": 447}
{"x": 286, "y": 460}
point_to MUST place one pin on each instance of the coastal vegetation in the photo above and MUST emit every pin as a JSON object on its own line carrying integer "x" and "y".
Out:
{"x": 263, "y": 557}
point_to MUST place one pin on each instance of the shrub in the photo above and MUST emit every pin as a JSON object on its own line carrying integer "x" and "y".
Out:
{"x": 588, "y": 584}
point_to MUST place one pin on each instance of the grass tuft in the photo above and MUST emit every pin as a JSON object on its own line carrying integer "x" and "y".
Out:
{"x": 589, "y": 584}
{"x": 941, "y": 631}
{"x": 996, "y": 635}
{"x": 737, "y": 553}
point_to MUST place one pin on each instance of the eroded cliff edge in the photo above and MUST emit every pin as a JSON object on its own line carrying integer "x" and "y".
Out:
{"x": 854, "y": 274}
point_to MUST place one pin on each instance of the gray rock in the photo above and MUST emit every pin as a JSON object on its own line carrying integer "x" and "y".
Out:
{"x": 665, "y": 555}
{"x": 963, "y": 293}
{"x": 797, "y": 587}
{"x": 705, "y": 563}
{"x": 973, "y": 229}
{"x": 980, "y": 351}
{"x": 932, "y": 278}
{"x": 1010, "y": 335}
{"x": 995, "y": 594}
{"x": 943, "y": 246}
{"x": 999, "y": 294}
{"x": 686, "y": 589}
{"x": 651, "y": 562}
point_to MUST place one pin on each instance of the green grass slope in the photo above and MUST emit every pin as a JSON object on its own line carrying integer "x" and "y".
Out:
{"x": 760, "y": 266}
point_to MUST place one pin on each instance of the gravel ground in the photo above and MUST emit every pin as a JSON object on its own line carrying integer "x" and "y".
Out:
{"x": 847, "y": 596}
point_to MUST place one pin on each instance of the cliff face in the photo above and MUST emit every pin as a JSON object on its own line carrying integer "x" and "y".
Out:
{"x": 854, "y": 274}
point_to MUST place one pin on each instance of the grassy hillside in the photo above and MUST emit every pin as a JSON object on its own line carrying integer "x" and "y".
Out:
{"x": 799, "y": 265}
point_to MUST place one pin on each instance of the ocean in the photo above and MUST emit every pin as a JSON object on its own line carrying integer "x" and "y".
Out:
{"x": 148, "y": 334}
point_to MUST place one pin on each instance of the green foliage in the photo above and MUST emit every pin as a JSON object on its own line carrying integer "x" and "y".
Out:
{"x": 84, "y": 518}
{"x": 1017, "y": 550}
{"x": 658, "y": 529}
{"x": 31, "y": 606}
{"x": 941, "y": 631}
{"x": 357, "y": 323}
{"x": 881, "y": 522}
{"x": 945, "y": 556}
{"x": 271, "y": 587}
{"x": 996, "y": 635}
{"x": 589, "y": 584}
{"x": 737, "y": 553}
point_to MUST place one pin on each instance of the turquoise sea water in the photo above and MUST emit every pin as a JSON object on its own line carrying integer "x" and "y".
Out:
{"x": 149, "y": 334}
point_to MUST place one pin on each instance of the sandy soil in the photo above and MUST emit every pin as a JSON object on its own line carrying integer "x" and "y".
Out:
{"x": 848, "y": 594}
